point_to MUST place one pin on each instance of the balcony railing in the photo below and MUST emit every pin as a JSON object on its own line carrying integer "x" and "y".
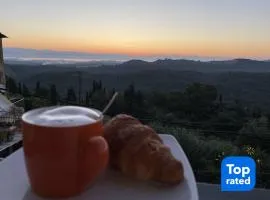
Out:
{"x": 10, "y": 136}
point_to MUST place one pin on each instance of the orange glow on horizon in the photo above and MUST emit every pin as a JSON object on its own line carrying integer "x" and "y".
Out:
{"x": 141, "y": 28}
{"x": 159, "y": 53}
{"x": 199, "y": 47}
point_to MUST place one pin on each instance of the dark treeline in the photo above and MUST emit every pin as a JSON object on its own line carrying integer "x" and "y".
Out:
{"x": 207, "y": 128}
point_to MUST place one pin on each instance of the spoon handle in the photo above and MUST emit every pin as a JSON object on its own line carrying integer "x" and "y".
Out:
{"x": 110, "y": 103}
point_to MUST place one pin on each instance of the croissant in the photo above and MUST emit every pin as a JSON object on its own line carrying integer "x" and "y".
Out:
{"x": 138, "y": 151}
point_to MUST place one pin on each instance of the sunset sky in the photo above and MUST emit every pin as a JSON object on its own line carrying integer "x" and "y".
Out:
{"x": 231, "y": 28}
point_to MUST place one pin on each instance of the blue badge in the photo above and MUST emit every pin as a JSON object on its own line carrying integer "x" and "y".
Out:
{"x": 238, "y": 173}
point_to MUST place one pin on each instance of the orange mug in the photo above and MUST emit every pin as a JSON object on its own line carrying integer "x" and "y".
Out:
{"x": 64, "y": 149}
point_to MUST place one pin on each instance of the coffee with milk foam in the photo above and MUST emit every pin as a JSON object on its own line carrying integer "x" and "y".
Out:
{"x": 62, "y": 116}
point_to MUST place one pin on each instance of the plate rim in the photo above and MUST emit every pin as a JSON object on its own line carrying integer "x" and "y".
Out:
{"x": 171, "y": 137}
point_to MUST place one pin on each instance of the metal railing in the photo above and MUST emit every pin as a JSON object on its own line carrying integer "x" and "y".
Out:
{"x": 10, "y": 139}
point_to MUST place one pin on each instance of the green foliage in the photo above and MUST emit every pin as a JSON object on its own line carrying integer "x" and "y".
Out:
{"x": 19, "y": 88}
{"x": 200, "y": 100}
{"x": 232, "y": 80}
{"x": 53, "y": 95}
{"x": 28, "y": 104}
{"x": 205, "y": 125}
{"x": 96, "y": 85}
{"x": 39, "y": 102}
{"x": 11, "y": 85}
{"x": 71, "y": 96}
{"x": 206, "y": 153}
{"x": 201, "y": 151}
{"x": 134, "y": 102}
{"x": 200, "y": 93}
{"x": 87, "y": 99}
{"x": 41, "y": 92}
{"x": 37, "y": 90}
{"x": 25, "y": 91}
{"x": 255, "y": 133}
{"x": 118, "y": 106}
{"x": 98, "y": 99}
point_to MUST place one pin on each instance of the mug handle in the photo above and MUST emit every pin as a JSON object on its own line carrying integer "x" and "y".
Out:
{"x": 94, "y": 161}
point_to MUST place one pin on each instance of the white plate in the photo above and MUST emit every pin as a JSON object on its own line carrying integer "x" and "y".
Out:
{"x": 111, "y": 186}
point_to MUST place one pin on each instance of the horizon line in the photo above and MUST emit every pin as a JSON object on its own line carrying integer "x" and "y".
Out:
{"x": 127, "y": 56}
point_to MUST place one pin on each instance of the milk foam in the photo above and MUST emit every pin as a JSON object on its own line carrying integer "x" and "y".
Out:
{"x": 62, "y": 116}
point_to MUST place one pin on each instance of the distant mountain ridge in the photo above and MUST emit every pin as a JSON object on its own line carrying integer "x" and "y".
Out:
{"x": 243, "y": 79}
{"x": 36, "y": 53}
{"x": 135, "y": 66}
{"x": 27, "y": 53}
{"x": 171, "y": 61}
{"x": 240, "y": 65}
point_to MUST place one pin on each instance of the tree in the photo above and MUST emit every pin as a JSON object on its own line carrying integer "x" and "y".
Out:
{"x": 98, "y": 99}
{"x": 174, "y": 102}
{"x": 53, "y": 95}
{"x": 94, "y": 86}
{"x": 87, "y": 99}
{"x": 256, "y": 134}
{"x": 140, "y": 105}
{"x": 25, "y": 91}
{"x": 201, "y": 93}
{"x": 139, "y": 98}
{"x": 201, "y": 99}
{"x": 19, "y": 88}
{"x": 11, "y": 85}
{"x": 113, "y": 91}
{"x": 129, "y": 97}
{"x": 42, "y": 92}
{"x": 71, "y": 96}
{"x": 134, "y": 102}
{"x": 100, "y": 85}
{"x": 28, "y": 104}
{"x": 37, "y": 90}
{"x": 118, "y": 106}
{"x": 220, "y": 102}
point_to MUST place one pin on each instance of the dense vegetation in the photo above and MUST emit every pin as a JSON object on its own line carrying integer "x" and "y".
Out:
{"x": 245, "y": 80}
{"x": 207, "y": 127}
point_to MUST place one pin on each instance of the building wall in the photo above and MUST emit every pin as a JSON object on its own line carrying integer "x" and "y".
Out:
{"x": 1, "y": 51}
{"x": 2, "y": 71}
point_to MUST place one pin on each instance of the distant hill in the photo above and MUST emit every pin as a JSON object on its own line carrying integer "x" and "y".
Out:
{"x": 251, "y": 88}
{"x": 23, "y": 71}
{"x": 60, "y": 62}
{"x": 241, "y": 65}
{"x": 37, "y": 53}
{"x": 26, "y": 53}
{"x": 247, "y": 80}
{"x": 238, "y": 65}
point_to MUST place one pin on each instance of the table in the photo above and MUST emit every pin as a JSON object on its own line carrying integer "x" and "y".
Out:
{"x": 14, "y": 184}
